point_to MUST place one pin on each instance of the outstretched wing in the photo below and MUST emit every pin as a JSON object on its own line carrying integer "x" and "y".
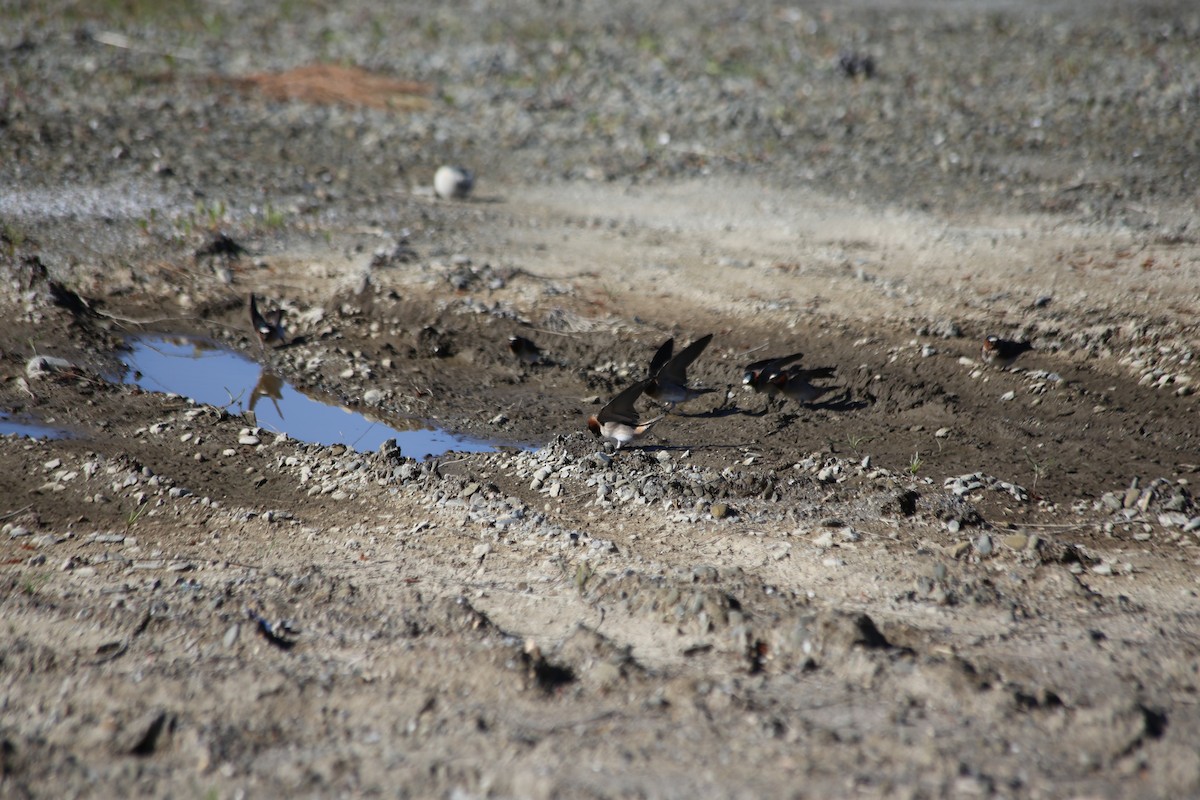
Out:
{"x": 662, "y": 356}
{"x": 796, "y": 373}
{"x": 620, "y": 408}
{"x": 775, "y": 366}
{"x": 675, "y": 370}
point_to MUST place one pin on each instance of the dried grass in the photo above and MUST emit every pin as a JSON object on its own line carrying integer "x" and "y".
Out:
{"x": 330, "y": 84}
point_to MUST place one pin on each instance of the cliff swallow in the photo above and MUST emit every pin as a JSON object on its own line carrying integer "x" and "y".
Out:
{"x": 758, "y": 375}
{"x": 619, "y": 419}
{"x": 1003, "y": 352}
{"x": 453, "y": 183}
{"x": 269, "y": 326}
{"x": 525, "y": 350}
{"x": 668, "y": 383}
{"x": 795, "y": 384}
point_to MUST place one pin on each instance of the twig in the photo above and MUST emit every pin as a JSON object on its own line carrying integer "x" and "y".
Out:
{"x": 131, "y": 321}
{"x": 122, "y": 42}
{"x": 18, "y": 511}
{"x": 753, "y": 350}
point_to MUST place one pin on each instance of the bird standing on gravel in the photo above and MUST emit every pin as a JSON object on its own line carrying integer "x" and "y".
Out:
{"x": 1003, "y": 352}
{"x": 269, "y": 326}
{"x": 619, "y": 419}
{"x": 668, "y": 381}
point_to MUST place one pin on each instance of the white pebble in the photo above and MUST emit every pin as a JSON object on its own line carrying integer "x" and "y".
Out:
{"x": 453, "y": 183}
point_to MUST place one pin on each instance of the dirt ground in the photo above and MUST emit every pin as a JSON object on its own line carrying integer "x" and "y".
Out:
{"x": 943, "y": 579}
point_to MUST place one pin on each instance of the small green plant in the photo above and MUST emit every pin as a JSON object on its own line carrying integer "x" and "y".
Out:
{"x": 649, "y": 43}
{"x": 915, "y": 463}
{"x": 33, "y": 583}
{"x": 273, "y": 217}
{"x": 215, "y": 24}
{"x": 149, "y": 220}
{"x": 214, "y": 212}
{"x": 1040, "y": 468}
{"x": 12, "y": 237}
{"x": 133, "y": 516}
{"x": 856, "y": 441}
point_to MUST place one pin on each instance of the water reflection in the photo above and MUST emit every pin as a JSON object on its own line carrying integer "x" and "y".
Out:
{"x": 270, "y": 386}
{"x": 25, "y": 425}
{"x": 212, "y": 374}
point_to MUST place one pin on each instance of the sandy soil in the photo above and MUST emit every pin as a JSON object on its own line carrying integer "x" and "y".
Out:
{"x": 945, "y": 579}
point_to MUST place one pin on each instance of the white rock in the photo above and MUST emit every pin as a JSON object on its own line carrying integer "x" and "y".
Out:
{"x": 453, "y": 183}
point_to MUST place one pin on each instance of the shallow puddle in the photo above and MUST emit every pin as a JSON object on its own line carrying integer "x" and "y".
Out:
{"x": 23, "y": 425}
{"x": 212, "y": 374}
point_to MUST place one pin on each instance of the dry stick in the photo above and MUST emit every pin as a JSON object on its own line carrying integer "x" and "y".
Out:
{"x": 131, "y": 321}
{"x": 122, "y": 42}
{"x": 751, "y": 351}
{"x": 18, "y": 511}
